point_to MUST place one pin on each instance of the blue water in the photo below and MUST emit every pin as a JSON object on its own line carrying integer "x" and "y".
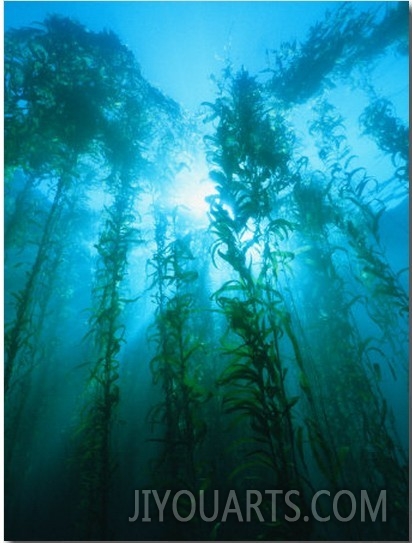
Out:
{"x": 206, "y": 266}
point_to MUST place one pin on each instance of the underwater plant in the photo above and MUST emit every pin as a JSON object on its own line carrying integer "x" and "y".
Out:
{"x": 345, "y": 40}
{"x": 53, "y": 121}
{"x": 332, "y": 240}
{"x": 176, "y": 365}
{"x": 107, "y": 331}
{"x": 392, "y": 136}
{"x": 75, "y": 99}
{"x": 43, "y": 112}
{"x": 250, "y": 151}
{"x": 261, "y": 346}
{"x": 273, "y": 220}
{"x": 128, "y": 129}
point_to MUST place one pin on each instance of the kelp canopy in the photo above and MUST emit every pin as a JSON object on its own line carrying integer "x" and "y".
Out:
{"x": 145, "y": 348}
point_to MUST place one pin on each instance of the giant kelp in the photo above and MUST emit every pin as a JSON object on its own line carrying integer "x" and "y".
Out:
{"x": 176, "y": 364}
{"x": 250, "y": 152}
{"x": 90, "y": 122}
{"x": 267, "y": 350}
{"x": 335, "y": 226}
{"x": 344, "y": 40}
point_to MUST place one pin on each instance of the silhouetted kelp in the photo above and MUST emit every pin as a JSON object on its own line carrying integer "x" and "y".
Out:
{"x": 344, "y": 40}
{"x": 273, "y": 337}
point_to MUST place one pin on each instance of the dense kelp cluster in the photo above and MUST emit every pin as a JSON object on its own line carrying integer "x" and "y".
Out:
{"x": 267, "y": 350}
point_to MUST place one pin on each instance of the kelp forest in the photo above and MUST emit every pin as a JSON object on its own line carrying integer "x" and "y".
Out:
{"x": 259, "y": 345}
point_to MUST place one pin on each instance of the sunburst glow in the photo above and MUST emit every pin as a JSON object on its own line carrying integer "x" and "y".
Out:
{"x": 191, "y": 188}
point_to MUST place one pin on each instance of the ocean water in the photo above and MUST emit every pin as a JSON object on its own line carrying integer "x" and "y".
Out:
{"x": 206, "y": 271}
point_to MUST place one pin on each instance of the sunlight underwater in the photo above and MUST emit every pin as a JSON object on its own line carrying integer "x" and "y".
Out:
{"x": 211, "y": 302}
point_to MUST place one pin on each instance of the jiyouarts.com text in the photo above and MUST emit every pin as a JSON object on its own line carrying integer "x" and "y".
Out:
{"x": 151, "y": 505}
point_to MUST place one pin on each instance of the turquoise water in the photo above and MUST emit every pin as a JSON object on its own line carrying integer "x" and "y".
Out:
{"x": 206, "y": 270}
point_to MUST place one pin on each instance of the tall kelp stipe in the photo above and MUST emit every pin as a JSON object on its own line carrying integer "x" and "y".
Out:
{"x": 75, "y": 99}
{"x": 363, "y": 364}
{"x": 128, "y": 127}
{"x": 330, "y": 292}
{"x": 176, "y": 366}
{"x": 263, "y": 346}
{"x": 108, "y": 333}
{"x": 250, "y": 152}
{"x": 320, "y": 225}
{"x": 32, "y": 116}
{"x": 51, "y": 127}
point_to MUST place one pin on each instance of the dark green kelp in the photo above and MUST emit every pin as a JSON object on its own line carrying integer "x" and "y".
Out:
{"x": 256, "y": 341}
